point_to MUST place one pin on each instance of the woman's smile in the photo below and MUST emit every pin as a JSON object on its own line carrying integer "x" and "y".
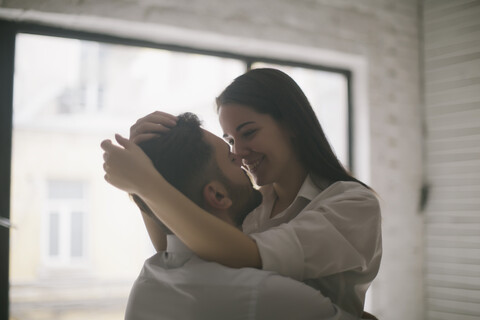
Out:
{"x": 252, "y": 165}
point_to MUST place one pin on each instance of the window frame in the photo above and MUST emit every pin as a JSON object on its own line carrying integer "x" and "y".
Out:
{"x": 8, "y": 33}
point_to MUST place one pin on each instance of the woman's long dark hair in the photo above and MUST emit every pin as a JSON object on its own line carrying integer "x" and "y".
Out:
{"x": 272, "y": 92}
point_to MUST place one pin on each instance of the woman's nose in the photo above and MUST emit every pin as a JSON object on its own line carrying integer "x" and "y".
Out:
{"x": 239, "y": 150}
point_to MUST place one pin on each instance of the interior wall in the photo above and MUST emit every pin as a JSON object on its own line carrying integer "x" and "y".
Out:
{"x": 384, "y": 33}
{"x": 452, "y": 109}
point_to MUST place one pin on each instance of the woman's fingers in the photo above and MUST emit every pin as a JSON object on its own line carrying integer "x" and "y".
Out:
{"x": 160, "y": 115}
{"x": 143, "y": 137}
{"x": 157, "y": 116}
{"x": 124, "y": 142}
{"x": 156, "y": 122}
{"x": 149, "y": 127}
{"x": 106, "y": 145}
{"x": 110, "y": 151}
{"x": 116, "y": 161}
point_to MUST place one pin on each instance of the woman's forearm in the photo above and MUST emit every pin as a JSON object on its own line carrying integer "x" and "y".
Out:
{"x": 209, "y": 237}
{"x": 155, "y": 232}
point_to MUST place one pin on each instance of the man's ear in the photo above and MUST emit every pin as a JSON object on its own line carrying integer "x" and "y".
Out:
{"x": 216, "y": 196}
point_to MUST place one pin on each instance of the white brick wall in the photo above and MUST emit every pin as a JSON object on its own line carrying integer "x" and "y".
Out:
{"x": 384, "y": 33}
{"x": 452, "y": 109}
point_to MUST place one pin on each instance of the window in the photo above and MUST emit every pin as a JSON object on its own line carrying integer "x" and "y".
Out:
{"x": 69, "y": 94}
{"x": 65, "y": 221}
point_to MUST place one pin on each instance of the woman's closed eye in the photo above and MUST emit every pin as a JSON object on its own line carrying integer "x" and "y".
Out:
{"x": 249, "y": 133}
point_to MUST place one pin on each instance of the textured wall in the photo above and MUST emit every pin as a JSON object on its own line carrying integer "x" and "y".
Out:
{"x": 452, "y": 108}
{"x": 386, "y": 34}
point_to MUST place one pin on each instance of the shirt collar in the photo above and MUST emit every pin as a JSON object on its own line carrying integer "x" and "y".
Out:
{"x": 174, "y": 244}
{"x": 311, "y": 187}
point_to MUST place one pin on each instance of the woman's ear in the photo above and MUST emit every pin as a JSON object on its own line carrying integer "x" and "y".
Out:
{"x": 216, "y": 196}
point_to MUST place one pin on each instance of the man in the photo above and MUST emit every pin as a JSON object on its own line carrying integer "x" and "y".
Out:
{"x": 175, "y": 283}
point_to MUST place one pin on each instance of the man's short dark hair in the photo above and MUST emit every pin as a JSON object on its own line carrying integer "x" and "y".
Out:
{"x": 183, "y": 158}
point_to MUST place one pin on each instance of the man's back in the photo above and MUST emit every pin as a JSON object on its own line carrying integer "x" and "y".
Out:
{"x": 178, "y": 285}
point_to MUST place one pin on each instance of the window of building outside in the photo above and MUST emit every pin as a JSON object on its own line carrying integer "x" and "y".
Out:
{"x": 64, "y": 231}
{"x": 79, "y": 243}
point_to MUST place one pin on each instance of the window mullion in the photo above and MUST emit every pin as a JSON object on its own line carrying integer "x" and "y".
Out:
{"x": 7, "y": 62}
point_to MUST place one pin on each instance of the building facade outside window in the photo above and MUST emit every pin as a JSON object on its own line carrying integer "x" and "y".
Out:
{"x": 64, "y": 225}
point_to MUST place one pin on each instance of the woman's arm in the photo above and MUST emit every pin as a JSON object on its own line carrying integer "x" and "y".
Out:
{"x": 155, "y": 232}
{"x": 212, "y": 239}
{"x": 339, "y": 230}
{"x": 155, "y": 228}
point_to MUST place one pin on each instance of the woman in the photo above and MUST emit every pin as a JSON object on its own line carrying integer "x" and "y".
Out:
{"x": 317, "y": 223}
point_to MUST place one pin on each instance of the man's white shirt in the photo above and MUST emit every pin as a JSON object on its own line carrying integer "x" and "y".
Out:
{"x": 177, "y": 284}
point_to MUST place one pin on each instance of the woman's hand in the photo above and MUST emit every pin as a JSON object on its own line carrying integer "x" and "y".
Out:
{"x": 126, "y": 166}
{"x": 151, "y": 125}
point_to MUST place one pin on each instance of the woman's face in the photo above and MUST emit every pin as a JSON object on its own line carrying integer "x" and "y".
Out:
{"x": 264, "y": 146}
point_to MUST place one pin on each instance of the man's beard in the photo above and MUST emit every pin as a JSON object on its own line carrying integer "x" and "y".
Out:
{"x": 244, "y": 198}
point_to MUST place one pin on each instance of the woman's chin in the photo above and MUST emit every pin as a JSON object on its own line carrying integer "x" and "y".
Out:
{"x": 259, "y": 180}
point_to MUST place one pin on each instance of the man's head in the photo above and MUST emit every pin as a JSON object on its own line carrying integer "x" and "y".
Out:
{"x": 201, "y": 166}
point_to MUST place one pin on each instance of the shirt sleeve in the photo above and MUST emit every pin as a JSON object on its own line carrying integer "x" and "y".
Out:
{"x": 332, "y": 234}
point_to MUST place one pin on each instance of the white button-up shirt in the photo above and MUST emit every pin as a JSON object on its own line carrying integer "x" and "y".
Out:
{"x": 176, "y": 284}
{"x": 329, "y": 237}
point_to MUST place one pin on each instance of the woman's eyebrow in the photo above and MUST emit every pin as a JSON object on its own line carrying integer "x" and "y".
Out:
{"x": 243, "y": 125}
